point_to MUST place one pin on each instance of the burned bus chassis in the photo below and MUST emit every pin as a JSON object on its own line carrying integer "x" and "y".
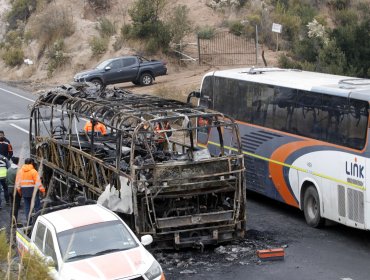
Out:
{"x": 184, "y": 194}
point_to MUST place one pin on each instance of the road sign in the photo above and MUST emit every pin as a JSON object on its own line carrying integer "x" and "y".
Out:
{"x": 276, "y": 27}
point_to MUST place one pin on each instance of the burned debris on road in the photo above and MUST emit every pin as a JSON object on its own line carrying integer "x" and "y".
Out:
{"x": 155, "y": 166}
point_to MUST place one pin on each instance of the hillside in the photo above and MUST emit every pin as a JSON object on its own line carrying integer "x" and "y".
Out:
{"x": 34, "y": 77}
{"x": 308, "y": 44}
{"x": 78, "y": 50}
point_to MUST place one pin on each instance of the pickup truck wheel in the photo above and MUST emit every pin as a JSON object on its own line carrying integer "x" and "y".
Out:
{"x": 98, "y": 83}
{"x": 146, "y": 79}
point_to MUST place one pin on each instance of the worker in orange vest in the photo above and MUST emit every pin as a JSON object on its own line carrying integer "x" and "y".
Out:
{"x": 162, "y": 135}
{"x": 27, "y": 183}
{"x": 98, "y": 127}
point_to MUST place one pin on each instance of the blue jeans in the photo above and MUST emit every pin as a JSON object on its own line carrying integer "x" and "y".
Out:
{"x": 27, "y": 204}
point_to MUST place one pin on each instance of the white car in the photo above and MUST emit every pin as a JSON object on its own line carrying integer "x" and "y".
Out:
{"x": 90, "y": 242}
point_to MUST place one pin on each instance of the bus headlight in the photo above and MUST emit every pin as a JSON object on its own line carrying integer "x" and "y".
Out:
{"x": 154, "y": 271}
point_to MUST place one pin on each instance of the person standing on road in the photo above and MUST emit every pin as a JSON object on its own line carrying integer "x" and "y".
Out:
{"x": 4, "y": 165}
{"x": 15, "y": 198}
{"x": 6, "y": 148}
{"x": 28, "y": 183}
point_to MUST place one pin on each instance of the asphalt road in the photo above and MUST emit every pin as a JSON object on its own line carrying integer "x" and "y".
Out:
{"x": 14, "y": 117}
{"x": 335, "y": 252}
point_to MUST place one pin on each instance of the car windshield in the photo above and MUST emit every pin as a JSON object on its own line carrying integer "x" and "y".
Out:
{"x": 95, "y": 240}
{"x": 104, "y": 64}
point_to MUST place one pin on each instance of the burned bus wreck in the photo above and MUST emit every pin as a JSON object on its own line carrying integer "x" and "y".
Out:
{"x": 154, "y": 166}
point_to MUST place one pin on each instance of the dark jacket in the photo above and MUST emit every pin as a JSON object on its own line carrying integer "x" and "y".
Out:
{"x": 6, "y": 148}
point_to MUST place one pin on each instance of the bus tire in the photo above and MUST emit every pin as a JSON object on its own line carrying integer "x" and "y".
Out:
{"x": 311, "y": 208}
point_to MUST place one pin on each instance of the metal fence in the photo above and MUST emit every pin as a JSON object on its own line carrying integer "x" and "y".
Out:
{"x": 226, "y": 48}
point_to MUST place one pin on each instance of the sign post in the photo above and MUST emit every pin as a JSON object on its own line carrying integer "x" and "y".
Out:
{"x": 277, "y": 29}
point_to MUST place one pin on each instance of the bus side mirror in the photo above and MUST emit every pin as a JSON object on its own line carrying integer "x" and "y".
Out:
{"x": 192, "y": 94}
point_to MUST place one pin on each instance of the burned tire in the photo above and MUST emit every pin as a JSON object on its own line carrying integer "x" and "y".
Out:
{"x": 311, "y": 208}
{"x": 146, "y": 79}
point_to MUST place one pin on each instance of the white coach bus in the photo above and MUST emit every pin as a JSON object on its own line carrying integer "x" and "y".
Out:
{"x": 304, "y": 136}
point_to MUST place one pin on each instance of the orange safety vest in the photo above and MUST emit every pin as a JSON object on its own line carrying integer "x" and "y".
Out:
{"x": 98, "y": 127}
{"x": 27, "y": 179}
{"x": 161, "y": 135}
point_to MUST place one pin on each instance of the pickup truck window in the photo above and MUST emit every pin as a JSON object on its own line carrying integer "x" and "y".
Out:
{"x": 39, "y": 237}
{"x": 129, "y": 61}
{"x": 103, "y": 64}
{"x": 116, "y": 64}
{"x": 94, "y": 240}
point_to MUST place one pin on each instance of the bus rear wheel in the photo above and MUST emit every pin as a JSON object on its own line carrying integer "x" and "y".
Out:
{"x": 311, "y": 208}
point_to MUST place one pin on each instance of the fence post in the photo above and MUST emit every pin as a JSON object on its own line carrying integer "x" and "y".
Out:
{"x": 256, "y": 45}
{"x": 198, "y": 43}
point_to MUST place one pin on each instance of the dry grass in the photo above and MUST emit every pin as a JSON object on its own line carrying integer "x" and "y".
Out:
{"x": 28, "y": 266}
{"x": 176, "y": 93}
{"x": 54, "y": 22}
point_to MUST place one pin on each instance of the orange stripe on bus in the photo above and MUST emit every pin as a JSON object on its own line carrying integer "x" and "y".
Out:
{"x": 276, "y": 170}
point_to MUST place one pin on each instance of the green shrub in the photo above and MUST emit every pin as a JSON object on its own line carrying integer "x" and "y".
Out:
{"x": 20, "y": 11}
{"x": 339, "y": 4}
{"x": 236, "y": 27}
{"x": 13, "y": 56}
{"x": 4, "y": 246}
{"x": 100, "y": 4}
{"x": 126, "y": 30}
{"x": 206, "y": 32}
{"x": 106, "y": 28}
{"x": 285, "y": 62}
{"x": 180, "y": 23}
{"x": 332, "y": 60}
{"x": 56, "y": 57}
{"x": 98, "y": 45}
{"x": 14, "y": 38}
{"x": 33, "y": 267}
{"x": 346, "y": 17}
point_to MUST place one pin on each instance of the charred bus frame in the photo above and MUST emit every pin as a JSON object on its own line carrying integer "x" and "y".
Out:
{"x": 183, "y": 193}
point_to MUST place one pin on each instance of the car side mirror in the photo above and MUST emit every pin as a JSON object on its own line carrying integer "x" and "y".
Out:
{"x": 146, "y": 239}
{"x": 49, "y": 261}
{"x": 107, "y": 68}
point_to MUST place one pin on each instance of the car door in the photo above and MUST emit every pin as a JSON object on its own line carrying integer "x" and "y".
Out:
{"x": 45, "y": 244}
{"x": 39, "y": 237}
{"x": 113, "y": 71}
{"x": 129, "y": 70}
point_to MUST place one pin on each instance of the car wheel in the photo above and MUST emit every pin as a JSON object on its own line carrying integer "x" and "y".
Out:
{"x": 311, "y": 208}
{"x": 98, "y": 83}
{"x": 146, "y": 79}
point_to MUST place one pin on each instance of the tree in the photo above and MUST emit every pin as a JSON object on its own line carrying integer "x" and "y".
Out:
{"x": 180, "y": 23}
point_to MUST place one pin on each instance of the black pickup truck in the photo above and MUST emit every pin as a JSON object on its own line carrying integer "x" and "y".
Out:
{"x": 135, "y": 69}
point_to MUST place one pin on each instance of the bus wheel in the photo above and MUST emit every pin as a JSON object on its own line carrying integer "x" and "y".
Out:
{"x": 311, "y": 208}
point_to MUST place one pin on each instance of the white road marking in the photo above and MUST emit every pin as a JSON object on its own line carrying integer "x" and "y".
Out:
{"x": 16, "y": 94}
{"x": 20, "y": 128}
